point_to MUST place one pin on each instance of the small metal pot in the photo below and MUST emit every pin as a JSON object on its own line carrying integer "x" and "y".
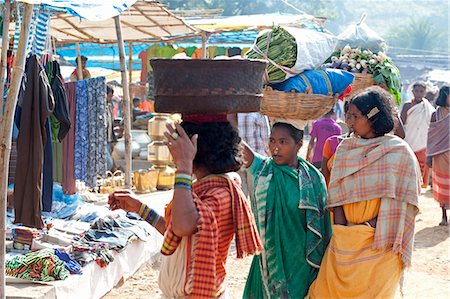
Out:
{"x": 146, "y": 180}
{"x": 157, "y": 126}
{"x": 159, "y": 154}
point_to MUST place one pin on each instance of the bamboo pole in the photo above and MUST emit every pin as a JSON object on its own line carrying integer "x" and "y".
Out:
{"x": 6, "y": 131}
{"x": 126, "y": 103}
{"x": 204, "y": 41}
{"x": 78, "y": 60}
{"x": 5, "y": 46}
{"x": 130, "y": 67}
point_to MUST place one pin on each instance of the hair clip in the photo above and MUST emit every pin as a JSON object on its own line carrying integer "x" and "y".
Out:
{"x": 373, "y": 112}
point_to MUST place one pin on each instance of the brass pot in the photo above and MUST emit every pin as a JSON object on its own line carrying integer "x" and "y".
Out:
{"x": 159, "y": 154}
{"x": 157, "y": 126}
{"x": 146, "y": 180}
{"x": 166, "y": 178}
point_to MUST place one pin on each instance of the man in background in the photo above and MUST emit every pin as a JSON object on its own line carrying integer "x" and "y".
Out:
{"x": 416, "y": 118}
{"x": 86, "y": 74}
{"x": 322, "y": 129}
{"x": 254, "y": 129}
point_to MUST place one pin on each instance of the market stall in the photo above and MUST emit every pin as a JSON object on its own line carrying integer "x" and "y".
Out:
{"x": 95, "y": 280}
{"x": 92, "y": 11}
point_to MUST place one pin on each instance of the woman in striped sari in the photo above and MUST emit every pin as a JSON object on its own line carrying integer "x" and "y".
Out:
{"x": 373, "y": 192}
{"x": 288, "y": 202}
{"x": 438, "y": 148}
{"x": 205, "y": 215}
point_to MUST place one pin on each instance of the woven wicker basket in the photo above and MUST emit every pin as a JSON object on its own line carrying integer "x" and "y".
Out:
{"x": 208, "y": 86}
{"x": 294, "y": 105}
{"x": 361, "y": 81}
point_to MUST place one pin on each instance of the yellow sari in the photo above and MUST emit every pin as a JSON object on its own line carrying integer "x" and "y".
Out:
{"x": 350, "y": 267}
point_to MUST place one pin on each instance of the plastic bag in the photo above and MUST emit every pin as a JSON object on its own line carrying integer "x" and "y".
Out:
{"x": 361, "y": 36}
{"x": 338, "y": 79}
{"x": 311, "y": 48}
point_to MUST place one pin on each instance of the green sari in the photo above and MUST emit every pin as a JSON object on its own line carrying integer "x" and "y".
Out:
{"x": 289, "y": 208}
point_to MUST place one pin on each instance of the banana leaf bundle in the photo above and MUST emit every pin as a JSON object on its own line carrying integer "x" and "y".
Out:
{"x": 280, "y": 47}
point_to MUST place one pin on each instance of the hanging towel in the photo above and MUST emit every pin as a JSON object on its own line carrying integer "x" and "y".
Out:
{"x": 40, "y": 32}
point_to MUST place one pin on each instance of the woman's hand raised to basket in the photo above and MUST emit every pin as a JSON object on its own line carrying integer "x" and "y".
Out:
{"x": 182, "y": 148}
{"x": 125, "y": 200}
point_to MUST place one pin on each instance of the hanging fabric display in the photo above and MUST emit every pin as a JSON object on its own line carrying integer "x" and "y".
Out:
{"x": 38, "y": 30}
{"x": 35, "y": 104}
{"x": 68, "y": 180}
{"x": 82, "y": 131}
{"x": 90, "y": 130}
{"x": 96, "y": 163}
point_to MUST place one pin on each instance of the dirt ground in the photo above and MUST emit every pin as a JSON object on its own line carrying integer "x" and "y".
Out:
{"x": 429, "y": 276}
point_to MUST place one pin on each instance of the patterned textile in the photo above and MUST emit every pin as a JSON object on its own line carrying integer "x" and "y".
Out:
{"x": 424, "y": 168}
{"x": 289, "y": 208}
{"x": 215, "y": 197}
{"x": 382, "y": 167}
{"x": 81, "y": 131}
{"x": 254, "y": 129}
{"x": 440, "y": 173}
{"x": 96, "y": 163}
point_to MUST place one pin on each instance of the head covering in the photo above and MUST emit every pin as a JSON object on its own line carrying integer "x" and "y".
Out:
{"x": 299, "y": 124}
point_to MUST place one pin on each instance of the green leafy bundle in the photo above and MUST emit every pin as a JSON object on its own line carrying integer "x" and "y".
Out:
{"x": 282, "y": 49}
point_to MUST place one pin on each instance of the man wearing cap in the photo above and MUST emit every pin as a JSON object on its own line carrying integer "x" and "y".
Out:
{"x": 85, "y": 72}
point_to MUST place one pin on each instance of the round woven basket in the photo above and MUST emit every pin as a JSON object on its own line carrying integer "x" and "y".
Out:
{"x": 208, "y": 86}
{"x": 361, "y": 81}
{"x": 294, "y": 105}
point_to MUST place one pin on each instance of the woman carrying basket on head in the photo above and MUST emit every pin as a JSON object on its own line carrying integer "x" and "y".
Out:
{"x": 288, "y": 202}
{"x": 203, "y": 216}
{"x": 373, "y": 192}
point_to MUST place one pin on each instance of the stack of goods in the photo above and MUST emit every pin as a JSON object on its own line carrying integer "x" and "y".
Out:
{"x": 363, "y": 52}
{"x": 23, "y": 237}
{"x": 86, "y": 252}
{"x": 298, "y": 90}
{"x": 290, "y": 51}
{"x": 42, "y": 265}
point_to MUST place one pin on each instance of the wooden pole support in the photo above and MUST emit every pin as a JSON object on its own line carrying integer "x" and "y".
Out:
{"x": 78, "y": 60}
{"x": 5, "y": 46}
{"x": 126, "y": 103}
{"x": 6, "y": 131}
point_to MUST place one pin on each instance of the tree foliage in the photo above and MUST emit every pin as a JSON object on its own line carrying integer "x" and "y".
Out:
{"x": 418, "y": 34}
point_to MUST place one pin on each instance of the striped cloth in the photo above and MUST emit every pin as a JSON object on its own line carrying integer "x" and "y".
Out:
{"x": 382, "y": 167}
{"x": 224, "y": 212}
{"x": 39, "y": 28}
